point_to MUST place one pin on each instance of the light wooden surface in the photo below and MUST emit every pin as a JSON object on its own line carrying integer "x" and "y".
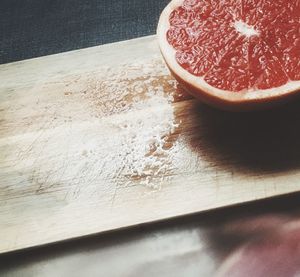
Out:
{"x": 99, "y": 139}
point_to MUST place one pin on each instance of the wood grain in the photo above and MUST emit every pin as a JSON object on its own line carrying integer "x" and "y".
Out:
{"x": 103, "y": 138}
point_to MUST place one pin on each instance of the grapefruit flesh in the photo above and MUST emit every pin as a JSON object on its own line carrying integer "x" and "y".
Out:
{"x": 233, "y": 54}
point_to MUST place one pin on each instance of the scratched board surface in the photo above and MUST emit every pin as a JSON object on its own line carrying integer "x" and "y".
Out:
{"x": 104, "y": 138}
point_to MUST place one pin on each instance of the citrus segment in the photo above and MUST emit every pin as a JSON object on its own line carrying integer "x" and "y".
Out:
{"x": 231, "y": 72}
{"x": 265, "y": 69}
{"x": 284, "y": 41}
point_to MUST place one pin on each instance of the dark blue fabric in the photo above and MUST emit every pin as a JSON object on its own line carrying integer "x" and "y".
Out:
{"x": 32, "y": 28}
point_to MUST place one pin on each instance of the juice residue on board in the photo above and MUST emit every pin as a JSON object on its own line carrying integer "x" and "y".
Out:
{"x": 138, "y": 100}
{"x": 117, "y": 128}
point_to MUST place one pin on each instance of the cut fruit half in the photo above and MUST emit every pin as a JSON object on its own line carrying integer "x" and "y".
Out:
{"x": 233, "y": 54}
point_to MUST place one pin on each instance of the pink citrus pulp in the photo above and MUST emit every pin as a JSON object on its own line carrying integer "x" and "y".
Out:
{"x": 233, "y": 54}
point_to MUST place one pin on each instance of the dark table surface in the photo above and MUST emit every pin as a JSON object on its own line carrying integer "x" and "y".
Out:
{"x": 190, "y": 246}
{"x": 32, "y": 28}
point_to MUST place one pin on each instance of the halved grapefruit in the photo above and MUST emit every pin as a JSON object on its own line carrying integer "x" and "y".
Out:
{"x": 233, "y": 54}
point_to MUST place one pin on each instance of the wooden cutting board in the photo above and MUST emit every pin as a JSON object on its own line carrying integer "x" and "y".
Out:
{"x": 102, "y": 138}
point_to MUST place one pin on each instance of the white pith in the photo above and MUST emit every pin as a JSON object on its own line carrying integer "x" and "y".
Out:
{"x": 199, "y": 82}
{"x": 245, "y": 29}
